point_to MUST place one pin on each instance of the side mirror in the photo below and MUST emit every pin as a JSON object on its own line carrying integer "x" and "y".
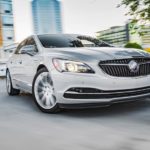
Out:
{"x": 28, "y": 49}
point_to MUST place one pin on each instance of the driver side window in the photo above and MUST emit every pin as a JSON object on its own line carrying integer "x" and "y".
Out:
{"x": 22, "y": 44}
{"x": 31, "y": 42}
{"x": 29, "y": 48}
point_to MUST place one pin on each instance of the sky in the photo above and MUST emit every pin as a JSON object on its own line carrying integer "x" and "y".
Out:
{"x": 78, "y": 16}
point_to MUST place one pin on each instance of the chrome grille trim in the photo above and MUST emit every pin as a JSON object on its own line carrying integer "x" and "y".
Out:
{"x": 120, "y": 68}
{"x": 126, "y": 61}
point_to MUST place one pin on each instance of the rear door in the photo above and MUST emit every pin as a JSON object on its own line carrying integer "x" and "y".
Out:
{"x": 15, "y": 64}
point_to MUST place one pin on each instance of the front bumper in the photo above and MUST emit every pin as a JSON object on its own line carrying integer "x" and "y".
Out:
{"x": 109, "y": 89}
{"x": 102, "y": 103}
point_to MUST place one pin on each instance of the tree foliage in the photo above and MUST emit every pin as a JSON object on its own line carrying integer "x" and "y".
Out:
{"x": 133, "y": 45}
{"x": 139, "y": 10}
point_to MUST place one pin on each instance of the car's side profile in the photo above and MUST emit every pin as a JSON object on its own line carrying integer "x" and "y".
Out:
{"x": 77, "y": 72}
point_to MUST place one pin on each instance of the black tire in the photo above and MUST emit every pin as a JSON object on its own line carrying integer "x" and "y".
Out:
{"x": 10, "y": 90}
{"x": 51, "y": 110}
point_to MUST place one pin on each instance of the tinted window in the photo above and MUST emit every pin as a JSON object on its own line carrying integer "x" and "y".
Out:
{"x": 60, "y": 41}
{"x": 54, "y": 41}
{"x": 20, "y": 46}
{"x": 30, "y": 41}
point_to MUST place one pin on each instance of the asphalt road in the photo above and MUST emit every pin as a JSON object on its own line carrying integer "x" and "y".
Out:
{"x": 119, "y": 127}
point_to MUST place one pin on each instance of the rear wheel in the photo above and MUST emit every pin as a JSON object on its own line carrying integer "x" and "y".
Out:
{"x": 43, "y": 91}
{"x": 10, "y": 90}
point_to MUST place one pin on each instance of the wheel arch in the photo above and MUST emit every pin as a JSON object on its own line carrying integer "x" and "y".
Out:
{"x": 41, "y": 66}
{"x": 7, "y": 69}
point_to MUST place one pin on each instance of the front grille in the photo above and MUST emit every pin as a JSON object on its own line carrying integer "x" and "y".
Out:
{"x": 120, "y": 67}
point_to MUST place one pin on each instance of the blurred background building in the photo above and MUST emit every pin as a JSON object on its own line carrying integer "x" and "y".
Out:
{"x": 146, "y": 38}
{"x": 117, "y": 35}
{"x": 121, "y": 35}
{"x": 46, "y": 16}
{"x": 6, "y": 23}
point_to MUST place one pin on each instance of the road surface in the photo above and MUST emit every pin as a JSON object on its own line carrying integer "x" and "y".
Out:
{"x": 119, "y": 127}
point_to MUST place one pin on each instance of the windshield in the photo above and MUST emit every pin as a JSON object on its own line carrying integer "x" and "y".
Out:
{"x": 61, "y": 41}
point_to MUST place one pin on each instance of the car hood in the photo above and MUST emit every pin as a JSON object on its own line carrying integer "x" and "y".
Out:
{"x": 100, "y": 53}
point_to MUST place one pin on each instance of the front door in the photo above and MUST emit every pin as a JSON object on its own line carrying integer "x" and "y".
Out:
{"x": 30, "y": 61}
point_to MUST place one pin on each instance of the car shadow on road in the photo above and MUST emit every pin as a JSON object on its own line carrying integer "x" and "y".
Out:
{"x": 120, "y": 109}
{"x": 113, "y": 110}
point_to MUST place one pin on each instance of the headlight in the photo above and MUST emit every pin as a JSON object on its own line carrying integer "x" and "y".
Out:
{"x": 63, "y": 65}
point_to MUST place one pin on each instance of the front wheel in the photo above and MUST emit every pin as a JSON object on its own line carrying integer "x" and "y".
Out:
{"x": 43, "y": 91}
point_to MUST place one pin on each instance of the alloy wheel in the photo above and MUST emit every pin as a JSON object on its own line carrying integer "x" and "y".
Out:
{"x": 44, "y": 91}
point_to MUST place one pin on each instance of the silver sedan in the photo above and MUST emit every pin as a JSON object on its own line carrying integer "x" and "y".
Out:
{"x": 76, "y": 71}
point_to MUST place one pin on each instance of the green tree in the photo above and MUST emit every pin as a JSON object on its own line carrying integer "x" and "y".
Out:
{"x": 133, "y": 45}
{"x": 139, "y": 10}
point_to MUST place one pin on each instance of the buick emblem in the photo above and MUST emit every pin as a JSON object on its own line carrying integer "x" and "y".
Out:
{"x": 133, "y": 66}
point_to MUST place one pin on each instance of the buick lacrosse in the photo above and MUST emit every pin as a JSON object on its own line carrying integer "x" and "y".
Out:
{"x": 76, "y": 71}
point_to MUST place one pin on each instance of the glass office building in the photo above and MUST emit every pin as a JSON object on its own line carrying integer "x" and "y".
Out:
{"x": 6, "y": 23}
{"x": 120, "y": 35}
{"x": 46, "y": 16}
{"x": 146, "y": 35}
{"x": 117, "y": 35}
